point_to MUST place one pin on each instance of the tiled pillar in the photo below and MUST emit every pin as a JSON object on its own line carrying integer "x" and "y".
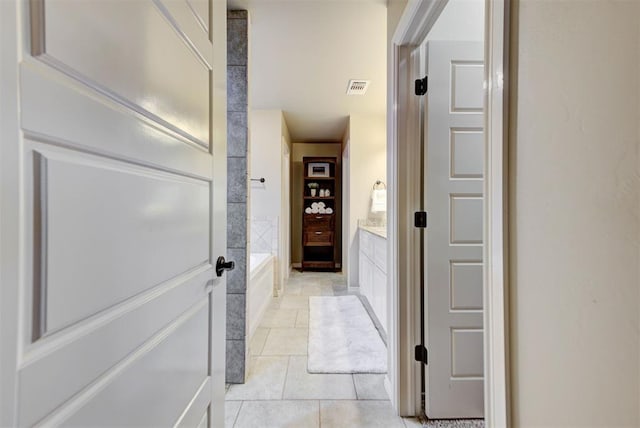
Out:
{"x": 237, "y": 191}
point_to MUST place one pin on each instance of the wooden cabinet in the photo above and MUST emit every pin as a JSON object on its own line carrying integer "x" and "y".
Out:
{"x": 319, "y": 246}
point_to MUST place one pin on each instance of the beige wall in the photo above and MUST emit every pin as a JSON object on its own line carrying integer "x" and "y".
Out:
{"x": 575, "y": 205}
{"x": 268, "y": 133}
{"x": 367, "y": 164}
{"x": 265, "y": 154}
{"x": 395, "y": 8}
{"x": 299, "y": 151}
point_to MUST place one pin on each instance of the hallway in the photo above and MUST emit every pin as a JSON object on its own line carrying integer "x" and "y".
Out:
{"x": 280, "y": 393}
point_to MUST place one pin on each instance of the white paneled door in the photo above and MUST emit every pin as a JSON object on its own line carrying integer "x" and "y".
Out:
{"x": 112, "y": 213}
{"x": 454, "y": 200}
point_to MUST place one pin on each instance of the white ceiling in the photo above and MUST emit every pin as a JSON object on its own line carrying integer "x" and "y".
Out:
{"x": 302, "y": 54}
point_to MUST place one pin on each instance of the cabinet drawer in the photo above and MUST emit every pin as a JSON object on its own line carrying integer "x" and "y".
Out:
{"x": 318, "y": 221}
{"x": 365, "y": 278}
{"x": 366, "y": 243}
{"x": 380, "y": 253}
{"x": 318, "y": 238}
{"x": 379, "y": 292}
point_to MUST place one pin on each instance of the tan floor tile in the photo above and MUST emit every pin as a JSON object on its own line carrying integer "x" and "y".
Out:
{"x": 292, "y": 289}
{"x": 370, "y": 386}
{"x": 294, "y": 302}
{"x": 286, "y": 341}
{"x": 275, "y": 303}
{"x": 258, "y": 340}
{"x": 231, "y": 409}
{"x": 316, "y": 290}
{"x": 279, "y": 414}
{"x": 276, "y": 318}
{"x": 264, "y": 382}
{"x": 358, "y": 414}
{"x": 303, "y": 318}
{"x": 412, "y": 423}
{"x": 302, "y": 385}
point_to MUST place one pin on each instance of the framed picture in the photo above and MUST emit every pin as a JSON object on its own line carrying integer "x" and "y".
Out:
{"x": 318, "y": 169}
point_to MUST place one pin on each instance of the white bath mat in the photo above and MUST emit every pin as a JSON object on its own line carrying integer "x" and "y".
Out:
{"x": 342, "y": 337}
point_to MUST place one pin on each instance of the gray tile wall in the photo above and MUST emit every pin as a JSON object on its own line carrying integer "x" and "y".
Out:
{"x": 237, "y": 191}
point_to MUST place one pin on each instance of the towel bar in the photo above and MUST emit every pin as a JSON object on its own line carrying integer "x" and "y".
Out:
{"x": 378, "y": 183}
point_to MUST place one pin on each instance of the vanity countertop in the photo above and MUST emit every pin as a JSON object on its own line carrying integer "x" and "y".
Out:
{"x": 380, "y": 231}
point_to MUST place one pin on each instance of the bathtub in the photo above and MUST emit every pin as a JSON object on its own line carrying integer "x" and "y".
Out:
{"x": 260, "y": 289}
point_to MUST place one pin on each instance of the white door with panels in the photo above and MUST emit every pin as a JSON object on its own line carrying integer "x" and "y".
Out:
{"x": 454, "y": 171}
{"x": 113, "y": 212}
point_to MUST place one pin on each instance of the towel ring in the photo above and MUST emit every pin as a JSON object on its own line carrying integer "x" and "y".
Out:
{"x": 379, "y": 183}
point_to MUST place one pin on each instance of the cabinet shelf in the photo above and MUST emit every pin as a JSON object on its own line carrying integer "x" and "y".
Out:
{"x": 320, "y": 238}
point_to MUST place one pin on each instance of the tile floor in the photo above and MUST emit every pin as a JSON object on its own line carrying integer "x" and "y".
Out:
{"x": 280, "y": 393}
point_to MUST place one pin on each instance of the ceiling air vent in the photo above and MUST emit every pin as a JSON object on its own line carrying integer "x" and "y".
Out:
{"x": 357, "y": 87}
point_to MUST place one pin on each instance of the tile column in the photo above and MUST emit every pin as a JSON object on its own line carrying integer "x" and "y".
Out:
{"x": 237, "y": 192}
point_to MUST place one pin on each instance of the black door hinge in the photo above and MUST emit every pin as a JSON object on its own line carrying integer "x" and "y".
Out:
{"x": 420, "y": 219}
{"x": 421, "y": 86}
{"x": 421, "y": 354}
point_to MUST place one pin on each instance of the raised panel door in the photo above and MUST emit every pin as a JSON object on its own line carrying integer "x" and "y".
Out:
{"x": 115, "y": 167}
{"x": 454, "y": 174}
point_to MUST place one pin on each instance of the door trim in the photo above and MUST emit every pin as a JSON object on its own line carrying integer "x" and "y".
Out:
{"x": 416, "y": 21}
{"x": 496, "y": 233}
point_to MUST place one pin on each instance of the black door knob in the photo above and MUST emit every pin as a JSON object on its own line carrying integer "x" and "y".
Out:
{"x": 222, "y": 265}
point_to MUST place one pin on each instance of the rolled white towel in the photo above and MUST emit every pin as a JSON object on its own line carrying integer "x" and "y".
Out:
{"x": 322, "y": 210}
{"x": 321, "y": 205}
{"x": 314, "y": 205}
{"x": 315, "y": 211}
{"x": 307, "y": 210}
{"x": 329, "y": 210}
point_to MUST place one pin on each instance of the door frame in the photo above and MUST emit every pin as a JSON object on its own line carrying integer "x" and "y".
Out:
{"x": 418, "y": 18}
{"x": 346, "y": 192}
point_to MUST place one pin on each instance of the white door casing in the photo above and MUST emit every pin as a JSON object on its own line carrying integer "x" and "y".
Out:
{"x": 346, "y": 186}
{"x": 454, "y": 172}
{"x": 111, "y": 311}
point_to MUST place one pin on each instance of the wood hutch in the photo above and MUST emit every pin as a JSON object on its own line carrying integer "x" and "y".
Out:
{"x": 319, "y": 213}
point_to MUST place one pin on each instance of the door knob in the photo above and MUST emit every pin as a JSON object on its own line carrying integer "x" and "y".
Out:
{"x": 222, "y": 265}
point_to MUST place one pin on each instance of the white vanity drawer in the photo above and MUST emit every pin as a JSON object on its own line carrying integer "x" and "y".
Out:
{"x": 379, "y": 292}
{"x": 366, "y": 243}
{"x": 380, "y": 252}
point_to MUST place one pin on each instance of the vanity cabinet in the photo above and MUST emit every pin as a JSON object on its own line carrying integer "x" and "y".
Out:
{"x": 372, "y": 273}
